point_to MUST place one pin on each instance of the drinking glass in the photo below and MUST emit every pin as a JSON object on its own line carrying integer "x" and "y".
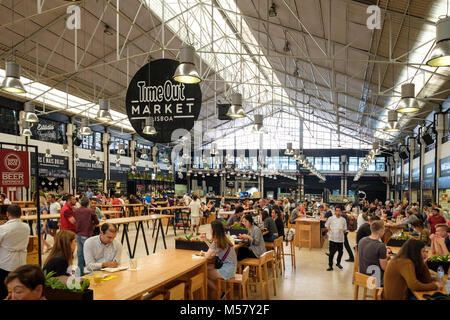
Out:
{"x": 133, "y": 264}
{"x": 98, "y": 276}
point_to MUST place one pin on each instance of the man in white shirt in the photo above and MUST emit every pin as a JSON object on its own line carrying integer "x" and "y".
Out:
{"x": 14, "y": 236}
{"x": 336, "y": 226}
{"x": 4, "y": 200}
{"x": 195, "y": 212}
{"x": 102, "y": 251}
{"x": 186, "y": 199}
{"x": 55, "y": 208}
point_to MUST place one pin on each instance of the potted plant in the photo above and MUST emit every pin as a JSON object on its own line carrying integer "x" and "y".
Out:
{"x": 56, "y": 290}
{"x": 236, "y": 229}
{"x": 190, "y": 243}
{"x": 398, "y": 241}
{"x": 439, "y": 260}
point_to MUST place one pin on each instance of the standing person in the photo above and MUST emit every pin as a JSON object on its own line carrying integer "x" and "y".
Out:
{"x": 186, "y": 199}
{"x": 42, "y": 229}
{"x": 54, "y": 208}
{"x": 67, "y": 219}
{"x": 286, "y": 209}
{"x": 89, "y": 193}
{"x": 93, "y": 204}
{"x": 221, "y": 247}
{"x": 336, "y": 226}
{"x": 254, "y": 241}
{"x": 362, "y": 217}
{"x": 194, "y": 206}
{"x": 407, "y": 272}
{"x": 14, "y": 236}
{"x": 434, "y": 219}
{"x": 85, "y": 219}
{"x": 61, "y": 257}
{"x": 4, "y": 200}
{"x": 351, "y": 257}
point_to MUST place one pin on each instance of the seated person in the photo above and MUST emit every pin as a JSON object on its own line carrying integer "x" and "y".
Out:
{"x": 236, "y": 217}
{"x": 438, "y": 245}
{"x": 205, "y": 211}
{"x": 254, "y": 240}
{"x": 102, "y": 251}
{"x": 407, "y": 272}
{"x": 364, "y": 229}
{"x": 372, "y": 252}
{"x": 424, "y": 233}
{"x": 276, "y": 216}
{"x": 295, "y": 213}
{"x": 270, "y": 225}
{"x": 25, "y": 283}
{"x": 61, "y": 256}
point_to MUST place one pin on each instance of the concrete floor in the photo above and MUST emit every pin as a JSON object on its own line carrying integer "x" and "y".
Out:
{"x": 309, "y": 281}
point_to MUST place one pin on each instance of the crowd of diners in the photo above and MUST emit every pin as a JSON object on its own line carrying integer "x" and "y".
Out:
{"x": 265, "y": 220}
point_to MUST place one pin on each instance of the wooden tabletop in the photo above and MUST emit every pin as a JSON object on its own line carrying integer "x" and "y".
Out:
{"x": 168, "y": 208}
{"x": 43, "y": 217}
{"x": 308, "y": 220}
{"x": 153, "y": 271}
{"x": 28, "y": 209}
{"x": 136, "y": 219}
{"x": 419, "y": 294}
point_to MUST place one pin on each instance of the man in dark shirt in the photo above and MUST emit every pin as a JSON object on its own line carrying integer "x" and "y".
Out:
{"x": 236, "y": 217}
{"x": 276, "y": 216}
{"x": 373, "y": 254}
{"x": 364, "y": 229}
{"x": 85, "y": 219}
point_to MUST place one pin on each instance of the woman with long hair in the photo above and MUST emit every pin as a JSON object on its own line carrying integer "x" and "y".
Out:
{"x": 42, "y": 229}
{"x": 61, "y": 256}
{"x": 222, "y": 247}
{"x": 255, "y": 245}
{"x": 408, "y": 272}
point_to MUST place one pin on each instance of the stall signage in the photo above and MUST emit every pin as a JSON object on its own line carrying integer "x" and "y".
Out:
{"x": 428, "y": 171}
{"x": 416, "y": 174}
{"x": 172, "y": 105}
{"x": 14, "y": 168}
{"x": 445, "y": 167}
{"x": 90, "y": 165}
{"x": 55, "y": 166}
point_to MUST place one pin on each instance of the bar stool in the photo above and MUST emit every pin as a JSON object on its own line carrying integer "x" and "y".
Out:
{"x": 277, "y": 245}
{"x": 240, "y": 279}
{"x": 195, "y": 284}
{"x": 291, "y": 245}
{"x": 305, "y": 228}
{"x": 363, "y": 280}
{"x": 260, "y": 267}
{"x": 355, "y": 264}
{"x": 177, "y": 292}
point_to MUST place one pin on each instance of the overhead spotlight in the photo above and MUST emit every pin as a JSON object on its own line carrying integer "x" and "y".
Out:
{"x": 47, "y": 153}
{"x": 408, "y": 103}
{"x": 133, "y": 166}
{"x": 103, "y": 113}
{"x": 108, "y": 31}
{"x": 144, "y": 154}
{"x": 117, "y": 164}
{"x": 273, "y": 10}
{"x": 121, "y": 149}
{"x": 65, "y": 148}
{"x": 12, "y": 83}
{"x": 97, "y": 162}
{"x": 296, "y": 72}
{"x": 440, "y": 55}
{"x": 289, "y": 151}
{"x": 186, "y": 72}
{"x": 92, "y": 154}
{"x": 392, "y": 125}
{"x": 258, "y": 126}
{"x": 29, "y": 115}
{"x": 296, "y": 154}
{"x": 214, "y": 149}
{"x": 149, "y": 127}
{"x": 25, "y": 132}
{"x": 287, "y": 46}
{"x": 85, "y": 130}
{"x": 76, "y": 157}
{"x": 236, "y": 110}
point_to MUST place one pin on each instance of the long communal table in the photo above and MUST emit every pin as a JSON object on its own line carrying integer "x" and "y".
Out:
{"x": 139, "y": 227}
{"x": 32, "y": 217}
{"x": 152, "y": 272}
{"x": 176, "y": 212}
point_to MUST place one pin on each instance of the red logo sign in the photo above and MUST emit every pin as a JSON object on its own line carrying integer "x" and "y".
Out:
{"x": 14, "y": 169}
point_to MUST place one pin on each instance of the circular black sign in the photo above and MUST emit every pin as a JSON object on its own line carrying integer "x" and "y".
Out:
{"x": 172, "y": 105}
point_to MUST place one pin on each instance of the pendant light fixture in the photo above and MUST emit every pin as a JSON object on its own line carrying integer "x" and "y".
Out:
{"x": 65, "y": 148}
{"x": 29, "y": 115}
{"x": 213, "y": 149}
{"x": 133, "y": 166}
{"x": 392, "y": 125}
{"x": 47, "y": 153}
{"x": 25, "y": 132}
{"x": 440, "y": 55}
{"x": 85, "y": 130}
{"x": 236, "y": 110}
{"x": 147, "y": 168}
{"x": 272, "y": 10}
{"x": 12, "y": 83}
{"x": 165, "y": 159}
{"x": 76, "y": 157}
{"x": 289, "y": 151}
{"x": 117, "y": 158}
{"x": 296, "y": 154}
{"x": 408, "y": 103}
{"x": 117, "y": 164}
{"x": 144, "y": 154}
{"x": 103, "y": 113}
{"x": 121, "y": 149}
{"x": 258, "y": 126}
{"x": 149, "y": 127}
{"x": 186, "y": 72}
{"x": 92, "y": 155}
{"x": 97, "y": 162}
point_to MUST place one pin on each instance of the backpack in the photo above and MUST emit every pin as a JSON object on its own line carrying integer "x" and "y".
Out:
{"x": 290, "y": 234}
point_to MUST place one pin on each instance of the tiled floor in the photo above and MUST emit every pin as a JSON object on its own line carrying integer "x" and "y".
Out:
{"x": 309, "y": 280}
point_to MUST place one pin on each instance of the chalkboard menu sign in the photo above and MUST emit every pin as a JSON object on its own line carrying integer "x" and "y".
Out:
{"x": 55, "y": 166}
{"x": 49, "y": 131}
{"x": 118, "y": 173}
{"x": 89, "y": 169}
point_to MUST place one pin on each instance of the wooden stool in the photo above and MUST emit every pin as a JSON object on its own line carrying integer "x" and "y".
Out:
{"x": 355, "y": 265}
{"x": 277, "y": 245}
{"x": 240, "y": 279}
{"x": 305, "y": 228}
{"x": 270, "y": 256}
{"x": 362, "y": 280}
{"x": 177, "y": 292}
{"x": 292, "y": 252}
{"x": 196, "y": 283}
{"x": 260, "y": 266}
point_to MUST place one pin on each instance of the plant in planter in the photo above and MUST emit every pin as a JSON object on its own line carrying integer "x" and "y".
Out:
{"x": 236, "y": 229}
{"x": 398, "y": 241}
{"x": 439, "y": 260}
{"x": 190, "y": 243}
{"x": 56, "y": 290}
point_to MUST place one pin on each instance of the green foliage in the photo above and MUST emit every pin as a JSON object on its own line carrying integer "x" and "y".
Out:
{"x": 55, "y": 283}
{"x": 238, "y": 226}
{"x": 441, "y": 258}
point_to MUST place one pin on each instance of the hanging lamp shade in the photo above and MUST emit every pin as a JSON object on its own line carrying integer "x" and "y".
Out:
{"x": 258, "y": 126}
{"x": 236, "y": 110}
{"x": 296, "y": 154}
{"x": 103, "y": 113}
{"x": 289, "y": 151}
{"x": 12, "y": 83}
{"x": 144, "y": 154}
{"x": 97, "y": 160}
{"x": 85, "y": 130}
{"x": 29, "y": 114}
{"x": 440, "y": 55}
{"x": 121, "y": 149}
{"x": 186, "y": 72}
{"x": 272, "y": 10}
{"x": 65, "y": 148}
{"x": 392, "y": 125}
{"x": 25, "y": 132}
{"x": 408, "y": 103}
{"x": 213, "y": 149}
{"x": 149, "y": 127}
{"x": 47, "y": 153}
{"x": 92, "y": 155}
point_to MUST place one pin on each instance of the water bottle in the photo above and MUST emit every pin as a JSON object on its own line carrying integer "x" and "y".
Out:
{"x": 447, "y": 286}
{"x": 440, "y": 274}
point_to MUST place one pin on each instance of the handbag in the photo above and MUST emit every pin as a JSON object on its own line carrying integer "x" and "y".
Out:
{"x": 219, "y": 262}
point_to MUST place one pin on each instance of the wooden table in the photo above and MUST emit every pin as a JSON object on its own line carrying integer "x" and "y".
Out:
{"x": 419, "y": 294}
{"x": 224, "y": 214}
{"x": 315, "y": 232}
{"x": 24, "y": 204}
{"x": 140, "y": 226}
{"x": 153, "y": 272}
{"x": 26, "y": 211}
{"x": 31, "y": 218}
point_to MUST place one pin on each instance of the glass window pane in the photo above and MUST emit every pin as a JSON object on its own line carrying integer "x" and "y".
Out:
{"x": 326, "y": 163}
{"x": 318, "y": 163}
{"x": 335, "y": 164}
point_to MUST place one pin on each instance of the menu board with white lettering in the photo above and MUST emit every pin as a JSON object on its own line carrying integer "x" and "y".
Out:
{"x": 90, "y": 169}
{"x": 49, "y": 131}
{"x": 55, "y": 166}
